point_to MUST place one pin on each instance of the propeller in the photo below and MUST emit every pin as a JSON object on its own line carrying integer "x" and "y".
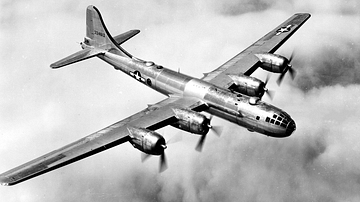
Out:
{"x": 215, "y": 129}
{"x": 163, "y": 162}
{"x": 268, "y": 92}
{"x": 200, "y": 144}
{"x": 287, "y": 68}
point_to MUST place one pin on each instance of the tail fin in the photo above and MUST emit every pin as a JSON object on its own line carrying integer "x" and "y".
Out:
{"x": 97, "y": 34}
{"x": 97, "y": 41}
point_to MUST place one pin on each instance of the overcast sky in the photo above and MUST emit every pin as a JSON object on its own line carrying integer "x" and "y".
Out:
{"x": 43, "y": 109}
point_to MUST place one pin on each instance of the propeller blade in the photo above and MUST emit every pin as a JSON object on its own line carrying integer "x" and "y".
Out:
{"x": 291, "y": 56}
{"x": 267, "y": 79}
{"x": 200, "y": 144}
{"x": 289, "y": 69}
{"x": 270, "y": 93}
{"x": 163, "y": 164}
{"x": 144, "y": 157}
{"x": 292, "y": 72}
{"x": 176, "y": 138}
{"x": 281, "y": 77}
{"x": 217, "y": 130}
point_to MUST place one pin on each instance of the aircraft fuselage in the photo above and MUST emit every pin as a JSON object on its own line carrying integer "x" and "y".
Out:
{"x": 249, "y": 112}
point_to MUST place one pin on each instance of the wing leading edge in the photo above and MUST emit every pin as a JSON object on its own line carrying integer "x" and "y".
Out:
{"x": 246, "y": 62}
{"x": 152, "y": 118}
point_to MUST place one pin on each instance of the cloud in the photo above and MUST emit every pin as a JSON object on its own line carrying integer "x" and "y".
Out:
{"x": 44, "y": 109}
{"x": 334, "y": 54}
{"x": 337, "y": 67}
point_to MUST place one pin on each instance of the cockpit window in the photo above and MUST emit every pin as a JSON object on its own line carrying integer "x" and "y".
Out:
{"x": 280, "y": 119}
{"x": 282, "y": 115}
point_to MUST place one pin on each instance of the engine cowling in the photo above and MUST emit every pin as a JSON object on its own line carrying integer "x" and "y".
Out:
{"x": 147, "y": 141}
{"x": 191, "y": 121}
{"x": 247, "y": 85}
{"x": 273, "y": 62}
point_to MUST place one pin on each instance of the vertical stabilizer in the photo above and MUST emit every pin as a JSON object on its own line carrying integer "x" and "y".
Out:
{"x": 97, "y": 34}
{"x": 97, "y": 42}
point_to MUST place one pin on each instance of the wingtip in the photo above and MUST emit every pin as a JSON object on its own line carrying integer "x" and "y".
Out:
{"x": 4, "y": 181}
{"x": 304, "y": 14}
{"x": 53, "y": 66}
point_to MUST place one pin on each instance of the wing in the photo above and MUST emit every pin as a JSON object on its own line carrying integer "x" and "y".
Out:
{"x": 153, "y": 117}
{"x": 246, "y": 62}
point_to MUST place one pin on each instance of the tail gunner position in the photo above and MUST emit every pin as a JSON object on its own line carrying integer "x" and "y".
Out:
{"x": 228, "y": 92}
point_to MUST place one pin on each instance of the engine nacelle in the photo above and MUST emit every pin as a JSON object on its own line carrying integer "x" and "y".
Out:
{"x": 247, "y": 85}
{"x": 147, "y": 141}
{"x": 191, "y": 121}
{"x": 273, "y": 62}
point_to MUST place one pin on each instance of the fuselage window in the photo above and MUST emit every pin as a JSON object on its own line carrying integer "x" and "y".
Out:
{"x": 274, "y": 116}
{"x": 267, "y": 119}
{"x": 258, "y": 118}
{"x": 277, "y": 123}
{"x": 279, "y": 118}
{"x": 272, "y": 121}
{"x": 148, "y": 81}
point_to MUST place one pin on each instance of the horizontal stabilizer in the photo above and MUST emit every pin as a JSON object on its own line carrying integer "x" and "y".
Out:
{"x": 122, "y": 38}
{"x": 76, "y": 57}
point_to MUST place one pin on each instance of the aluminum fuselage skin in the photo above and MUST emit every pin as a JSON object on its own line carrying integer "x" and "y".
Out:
{"x": 234, "y": 107}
